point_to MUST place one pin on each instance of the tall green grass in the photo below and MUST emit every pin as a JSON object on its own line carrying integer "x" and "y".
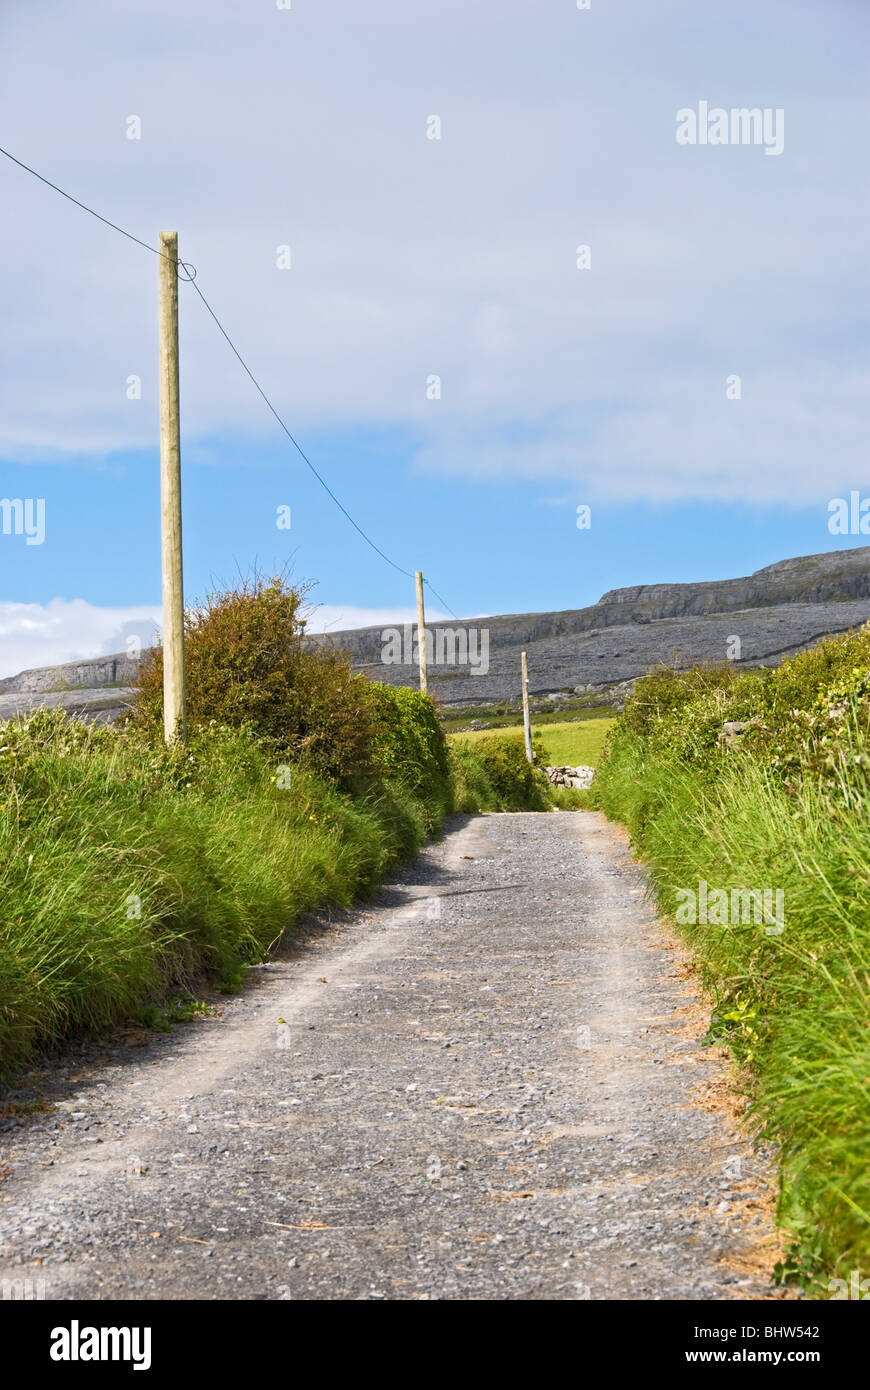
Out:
{"x": 794, "y": 1008}
{"x": 129, "y": 872}
{"x": 490, "y": 772}
{"x": 126, "y": 870}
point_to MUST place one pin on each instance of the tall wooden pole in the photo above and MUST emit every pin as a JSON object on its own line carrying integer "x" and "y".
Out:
{"x": 174, "y": 726}
{"x": 526, "y": 725}
{"x": 421, "y": 635}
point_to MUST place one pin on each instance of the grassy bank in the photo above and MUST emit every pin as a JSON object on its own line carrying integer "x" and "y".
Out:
{"x": 782, "y": 805}
{"x": 130, "y": 874}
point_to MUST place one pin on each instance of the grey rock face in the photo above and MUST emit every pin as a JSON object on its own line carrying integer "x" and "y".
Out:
{"x": 732, "y": 730}
{"x": 775, "y": 612}
{"x": 808, "y": 579}
{"x": 618, "y": 655}
{"x": 98, "y": 672}
{"x": 95, "y": 690}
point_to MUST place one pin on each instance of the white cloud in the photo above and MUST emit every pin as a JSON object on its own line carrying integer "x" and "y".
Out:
{"x": 410, "y": 257}
{"x": 34, "y": 634}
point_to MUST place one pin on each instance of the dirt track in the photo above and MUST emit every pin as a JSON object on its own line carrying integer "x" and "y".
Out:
{"x": 486, "y": 1087}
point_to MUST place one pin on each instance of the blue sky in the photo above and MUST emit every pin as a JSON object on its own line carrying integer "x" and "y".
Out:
{"x": 411, "y": 257}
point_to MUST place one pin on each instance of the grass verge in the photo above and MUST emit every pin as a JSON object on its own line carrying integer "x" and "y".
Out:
{"x": 130, "y": 874}
{"x": 785, "y": 810}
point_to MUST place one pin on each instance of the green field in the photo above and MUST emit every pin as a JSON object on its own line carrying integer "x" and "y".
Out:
{"x": 509, "y": 714}
{"x": 576, "y": 744}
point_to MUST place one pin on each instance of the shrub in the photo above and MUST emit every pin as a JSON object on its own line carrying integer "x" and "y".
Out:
{"x": 408, "y": 743}
{"x": 493, "y": 774}
{"x": 248, "y": 664}
{"x": 666, "y": 690}
{"x": 802, "y": 679}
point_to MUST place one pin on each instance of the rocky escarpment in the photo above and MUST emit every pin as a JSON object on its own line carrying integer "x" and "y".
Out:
{"x": 772, "y": 613}
{"x": 756, "y": 620}
{"x": 96, "y": 689}
{"x": 119, "y": 669}
{"x": 802, "y": 583}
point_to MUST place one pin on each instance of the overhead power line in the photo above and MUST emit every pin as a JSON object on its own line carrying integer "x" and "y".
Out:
{"x": 190, "y": 276}
{"x": 296, "y": 445}
{"x": 83, "y": 206}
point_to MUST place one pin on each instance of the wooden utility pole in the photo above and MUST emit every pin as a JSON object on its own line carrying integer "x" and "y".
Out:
{"x": 421, "y": 635}
{"x": 174, "y": 725}
{"x": 526, "y": 725}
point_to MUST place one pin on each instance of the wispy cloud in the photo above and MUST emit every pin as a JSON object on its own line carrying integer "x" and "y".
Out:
{"x": 453, "y": 257}
{"x": 34, "y": 634}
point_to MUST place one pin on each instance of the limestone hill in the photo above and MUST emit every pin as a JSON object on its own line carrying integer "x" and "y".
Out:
{"x": 774, "y": 612}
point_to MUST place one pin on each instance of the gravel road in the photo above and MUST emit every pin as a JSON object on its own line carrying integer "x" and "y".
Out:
{"x": 487, "y": 1083}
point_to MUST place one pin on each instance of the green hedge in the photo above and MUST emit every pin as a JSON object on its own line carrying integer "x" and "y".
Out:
{"x": 409, "y": 746}
{"x": 130, "y": 873}
{"x": 493, "y": 774}
{"x": 127, "y": 871}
